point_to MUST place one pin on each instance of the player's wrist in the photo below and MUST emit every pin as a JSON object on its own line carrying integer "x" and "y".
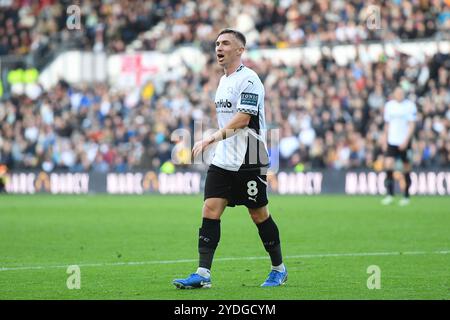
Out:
{"x": 217, "y": 136}
{"x": 211, "y": 139}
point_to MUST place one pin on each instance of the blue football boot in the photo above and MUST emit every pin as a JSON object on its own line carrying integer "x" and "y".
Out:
{"x": 194, "y": 281}
{"x": 275, "y": 279}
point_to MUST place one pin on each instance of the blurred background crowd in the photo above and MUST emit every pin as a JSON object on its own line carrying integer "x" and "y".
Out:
{"x": 112, "y": 26}
{"x": 329, "y": 116}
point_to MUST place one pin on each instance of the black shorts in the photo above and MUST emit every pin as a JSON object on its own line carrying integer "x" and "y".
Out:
{"x": 395, "y": 152}
{"x": 245, "y": 187}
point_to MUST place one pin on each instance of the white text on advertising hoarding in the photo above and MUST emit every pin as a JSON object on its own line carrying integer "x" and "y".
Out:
{"x": 430, "y": 183}
{"x": 76, "y": 183}
{"x": 300, "y": 183}
{"x": 137, "y": 183}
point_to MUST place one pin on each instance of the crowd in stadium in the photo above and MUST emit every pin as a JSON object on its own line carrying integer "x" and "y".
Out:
{"x": 329, "y": 116}
{"x": 40, "y": 26}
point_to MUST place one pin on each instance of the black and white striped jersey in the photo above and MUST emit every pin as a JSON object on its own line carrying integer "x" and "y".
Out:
{"x": 241, "y": 91}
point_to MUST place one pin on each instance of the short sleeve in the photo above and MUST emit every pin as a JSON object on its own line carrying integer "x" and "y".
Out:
{"x": 248, "y": 101}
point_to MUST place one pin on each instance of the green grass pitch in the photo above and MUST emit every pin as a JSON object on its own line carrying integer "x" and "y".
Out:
{"x": 131, "y": 247}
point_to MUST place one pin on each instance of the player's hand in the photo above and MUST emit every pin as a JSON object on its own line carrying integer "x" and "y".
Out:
{"x": 199, "y": 147}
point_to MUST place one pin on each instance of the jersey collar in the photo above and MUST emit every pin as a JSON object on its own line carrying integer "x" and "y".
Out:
{"x": 241, "y": 66}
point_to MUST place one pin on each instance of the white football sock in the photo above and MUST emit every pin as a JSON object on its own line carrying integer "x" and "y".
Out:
{"x": 279, "y": 268}
{"x": 203, "y": 272}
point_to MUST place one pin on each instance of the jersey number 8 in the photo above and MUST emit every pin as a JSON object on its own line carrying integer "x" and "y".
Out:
{"x": 252, "y": 188}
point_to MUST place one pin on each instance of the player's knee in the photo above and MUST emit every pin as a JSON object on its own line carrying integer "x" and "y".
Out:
{"x": 388, "y": 164}
{"x": 407, "y": 167}
{"x": 211, "y": 210}
{"x": 259, "y": 215}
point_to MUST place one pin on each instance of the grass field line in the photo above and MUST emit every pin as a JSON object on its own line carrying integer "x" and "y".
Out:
{"x": 301, "y": 256}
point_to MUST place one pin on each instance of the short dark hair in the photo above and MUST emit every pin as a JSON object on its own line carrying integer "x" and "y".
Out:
{"x": 239, "y": 35}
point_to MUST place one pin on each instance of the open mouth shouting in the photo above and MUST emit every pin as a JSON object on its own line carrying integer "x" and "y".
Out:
{"x": 220, "y": 57}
